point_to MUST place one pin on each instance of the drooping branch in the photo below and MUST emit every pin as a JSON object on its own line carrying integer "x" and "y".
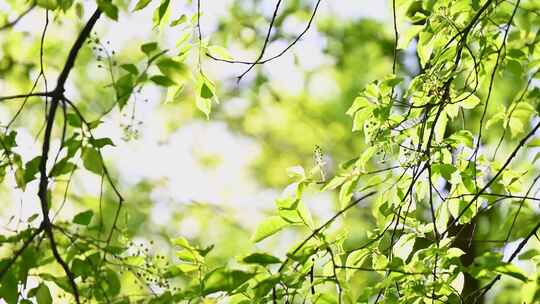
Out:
{"x": 287, "y": 48}
{"x": 266, "y": 40}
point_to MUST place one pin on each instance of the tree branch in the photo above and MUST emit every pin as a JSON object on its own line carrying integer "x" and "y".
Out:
{"x": 42, "y": 94}
{"x": 44, "y": 179}
{"x": 266, "y": 39}
{"x": 295, "y": 41}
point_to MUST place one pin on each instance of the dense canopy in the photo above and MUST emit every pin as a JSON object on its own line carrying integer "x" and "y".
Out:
{"x": 269, "y": 151}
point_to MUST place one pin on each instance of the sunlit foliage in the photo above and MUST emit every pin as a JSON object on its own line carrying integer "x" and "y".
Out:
{"x": 422, "y": 131}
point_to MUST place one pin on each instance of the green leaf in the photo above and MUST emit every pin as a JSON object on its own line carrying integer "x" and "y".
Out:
{"x": 513, "y": 271}
{"x": 92, "y": 161}
{"x": 261, "y": 259}
{"x": 186, "y": 268}
{"x": 182, "y": 242}
{"x": 32, "y": 217}
{"x": 288, "y": 210}
{"x": 356, "y": 259}
{"x": 518, "y": 117}
{"x": 73, "y": 144}
{"x": 529, "y": 254}
{"x": 454, "y": 253}
{"x": 81, "y": 268}
{"x": 335, "y": 182}
{"x": 452, "y": 110}
{"x": 379, "y": 261}
{"x": 108, "y": 8}
{"x": 515, "y": 68}
{"x": 79, "y": 10}
{"x": 9, "y": 287}
{"x": 141, "y": 4}
{"x": 47, "y": 4}
{"x": 61, "y": 282}
{"x": 268, "y": 227}
{"x": 43, "y": 295}
{"x": 463, "y": 137}
{"x": 204, "y": 251}
{"x": 263, "y": 287}
{"x": 172, "y": 272}
{"x": 94, "y": 124}
{"x": 359, "y": 103}
{"x": 408, "y": 35}
{"x": 163, "y": 81}
{"x": 31, "y": 168}
{"x": 445, "y": 170}
{"x": 179, "y": 20}
{"x": 424, "y": 47}
{"x": 206, "y": 91}
{"x": 101, "y": 142}
{"x": 149, "y": 48}
{"x": 468, "y": 100}
{"x": 65, "y": 4}
{"x": 403, "y": 247}
{"x": 171, "y": 68}
{"x": 390, "y": 81}
{"x": 111, "y": 284}
{"x": 124, "y": 88}
{"x": 189, "y": 255}
{"x": 19, "y": 178}
{"x": 219, "y": 52}
{"x": 64, "y": 166}
{"x": 83, "y": 218}
{"x": 174, "y": 93}
{"x": 130, "y": 68}
{"x": 205, "y": 105}
{"x": 500, "y": 116}
{"x": 440, "y": 127}
{"x": 8, "y": 141}
{"x": 73, "y": 120}
{"x": 161, "y": 11}
{"x": 534, "y": 143}
{"x": 346, "y": 191}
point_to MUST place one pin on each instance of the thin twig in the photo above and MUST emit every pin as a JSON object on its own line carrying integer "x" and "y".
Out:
{"x": 266, "y": 39}
{"x": 16, "y": 20}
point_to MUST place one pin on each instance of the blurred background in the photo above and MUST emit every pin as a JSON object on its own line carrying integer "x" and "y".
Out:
{"x": 209, "y": 179}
